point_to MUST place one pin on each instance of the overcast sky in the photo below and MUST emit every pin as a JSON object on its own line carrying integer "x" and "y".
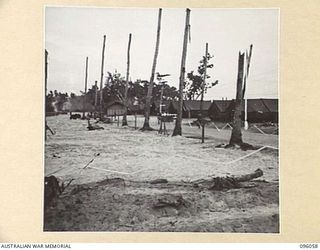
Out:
{"x": 71, "y": 34}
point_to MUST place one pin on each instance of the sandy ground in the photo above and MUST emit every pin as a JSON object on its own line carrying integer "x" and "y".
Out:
{"x": 138, "y": 157}
{"x": 144, "y": 156}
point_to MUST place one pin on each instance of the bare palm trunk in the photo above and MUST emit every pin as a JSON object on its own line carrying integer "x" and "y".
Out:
{"x": 202, "y": 94}
{"x": 236, "y": 136}
{"x": 124, "y": 120}
{"x": 85, "y": 90}
{"x": 243, "y": 73}
{"x": 146, "y": 125}
{"x": 95, "y": 96}
{"x": 177, "y": 129}
{"x": 101, "y": 78}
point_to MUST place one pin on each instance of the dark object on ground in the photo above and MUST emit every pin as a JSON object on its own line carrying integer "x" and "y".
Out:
{"x": 175, "y": 201}
{"x": 52, "y": 189}
{"x": 228, "y": 182}
{"x": 94, "y": 127}
{"x": 247, "y": 177}
{"x": 75, "y": 116}
{"x": 243, "y": 146}
{"x": 246, "y": 146}
{"x": 157, "y": 181}
{"x": 146, "y": 129}
{"x": 220, "y": 183}
{"x": 112, "y": 181}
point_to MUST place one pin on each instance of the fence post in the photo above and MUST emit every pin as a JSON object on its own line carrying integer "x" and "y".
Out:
{"x": 135, "y": 121}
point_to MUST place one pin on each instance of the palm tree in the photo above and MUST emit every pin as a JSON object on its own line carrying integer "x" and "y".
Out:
{"x": 146, "y": 125}
{"x": 177, "y": 129}
{"x": 124, "y": 120}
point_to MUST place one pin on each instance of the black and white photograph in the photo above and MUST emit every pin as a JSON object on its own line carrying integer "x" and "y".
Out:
{"x": 161, "y": 120}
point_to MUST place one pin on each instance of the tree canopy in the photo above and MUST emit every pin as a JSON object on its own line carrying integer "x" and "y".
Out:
{"x": 193, "y": 85}
{"x": 113, "y": 90}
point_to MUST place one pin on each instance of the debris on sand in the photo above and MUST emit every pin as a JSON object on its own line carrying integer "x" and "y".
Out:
{"x": 168, "y": 207}
{"x": 75, "y": 116}
{"x": 168, "y": 200}
{"x": 243, "y": 146}
{"x": 94, "y": 126}
{"x": 221, "y": 183}
{"x": 158, "y": 181}
{"x": 53, "y": 187}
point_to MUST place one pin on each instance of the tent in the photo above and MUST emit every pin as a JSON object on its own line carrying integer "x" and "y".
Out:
{"x": 272, "y": 106}
{"x": 193, "y": 108}
{"x": 259, "y": 110}
{"x": 190, "y": 108}
{"x": 221, "y": 110}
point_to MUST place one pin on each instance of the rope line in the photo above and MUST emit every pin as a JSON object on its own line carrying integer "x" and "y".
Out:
{"x": 185, "y": 157}
{"x": 114, "y": 171}
{"x": 233, "y": 161}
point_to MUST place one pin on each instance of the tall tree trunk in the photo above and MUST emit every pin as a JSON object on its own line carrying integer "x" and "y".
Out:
{"x": 124, "y": 120}
{"x": 202, "y": 93}
{"x": 95, "y": 96}
{"x": 101, "y": 77}
{"x": 85, "y": 90}
{"x": 146, "y": 125}
{"x": 177, "y": 129}
{"x": 236, "y": 136}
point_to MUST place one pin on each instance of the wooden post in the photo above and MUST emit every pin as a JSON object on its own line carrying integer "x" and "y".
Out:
{"x": 101, "y": 77}
{"x": 124, "y": 120}
{"x": 146, "y": 125}
{"x": 85, "y": 89}
{"x": 177, "y": 129}
{"x": 161, "y": 96}
{"x": 135, "y": 121}
{"x": 160, "y": 129}
{"x": 95, "y": 96}
{"x": 236, "y": 136}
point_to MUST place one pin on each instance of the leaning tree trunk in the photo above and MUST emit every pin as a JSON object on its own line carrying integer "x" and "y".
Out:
{"x": 146, "y": 125}
{"x": 236, "y": 136}
{"x": 177, "y": 129}
{"x": 124, "y": 120}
